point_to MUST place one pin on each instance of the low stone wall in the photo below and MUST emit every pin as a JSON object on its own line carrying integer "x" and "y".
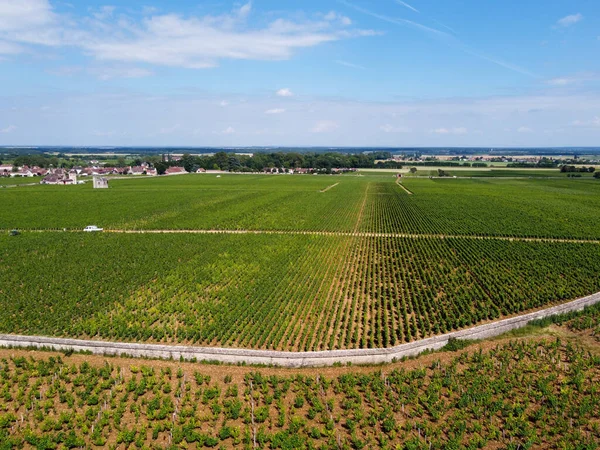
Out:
{"x": 292, "y": 359}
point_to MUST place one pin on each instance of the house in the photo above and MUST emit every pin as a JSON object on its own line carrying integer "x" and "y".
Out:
{"x": 100, "y": 183}
{"x": 6, "y": 170}
{"x": 137, "y": 170}
{"x": 151, "y": 172}
{"x": 201, "y": 170}
{"x": 39, "y": 172}
{"x": 51, "y": 179}
{"x": 175, "y": 171}
{"x": 24, "y": 172}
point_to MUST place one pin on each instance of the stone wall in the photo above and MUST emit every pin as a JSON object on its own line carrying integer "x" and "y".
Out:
{"x": 293, "y": 359}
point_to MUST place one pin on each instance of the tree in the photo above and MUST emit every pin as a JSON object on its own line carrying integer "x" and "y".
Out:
{"x": 161, "y": 167}
{"x": 188, "y": 162}
{"x": 597, "y": 175}
{"x": 413, "y": 170}
{"x": 221, "y": 160}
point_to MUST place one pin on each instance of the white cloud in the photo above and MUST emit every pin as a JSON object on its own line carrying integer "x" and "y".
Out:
{"x": 567, "y": 21}
{"x": 325, "y": 126}
{"x": 8, "y": 129}
{"x": 275, "y": 111}
{"x": 456, "y": 130}
{"x": 228, "y": 130}
{"x": 524, "y": 130}
{"x": 194, "y": 42}
{"x": 285, "y": 92}
{"x": 387, "y": 128}
{"x": 22, "y": 14}
{"x": 223, "y": 103}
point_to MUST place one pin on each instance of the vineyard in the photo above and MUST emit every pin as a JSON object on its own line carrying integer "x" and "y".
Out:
{"x": 284, "y": 292}
{"x": 320, "y": 263}
{"x": 538, "y": 393}
{"x": 561, "y": 208}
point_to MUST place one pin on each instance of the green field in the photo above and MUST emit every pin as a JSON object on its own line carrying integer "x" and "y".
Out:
{"x": 16, "y": 181}
{"x": 362, "y": 264}
{"x": 493, "y": 207}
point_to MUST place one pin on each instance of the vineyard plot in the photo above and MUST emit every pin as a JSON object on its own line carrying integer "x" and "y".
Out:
{"x": 464, "y": 400}
{"x": 284, "y": 292}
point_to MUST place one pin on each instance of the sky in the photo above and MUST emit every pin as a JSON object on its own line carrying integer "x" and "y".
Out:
{"x": 390, "y": 73}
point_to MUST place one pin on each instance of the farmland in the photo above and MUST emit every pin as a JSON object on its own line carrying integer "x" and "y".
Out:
{"x": 561, "y": 208}
{"x": 323, "y": 262}
{"x": 537, "y": 392}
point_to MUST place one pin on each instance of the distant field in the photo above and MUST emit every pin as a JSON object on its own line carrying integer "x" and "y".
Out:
{"x": 12, "y": 181}
{"x": 495, "y": 207}
{"x": 355, "y": 261}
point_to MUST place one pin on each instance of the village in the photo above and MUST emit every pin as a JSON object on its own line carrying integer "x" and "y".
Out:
{"x": 62, "y": 176}
{"x": 78, "y": 174}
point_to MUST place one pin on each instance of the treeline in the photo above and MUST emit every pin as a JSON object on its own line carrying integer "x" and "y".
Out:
{"x": 291, "y": 160}
{"x": 574, "y": 169}
{"x": 544, "y": 163}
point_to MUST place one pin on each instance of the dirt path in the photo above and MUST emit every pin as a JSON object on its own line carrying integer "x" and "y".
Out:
{"x": 335, "y": 233}
{"x": 329, "y": 187}
{"x": 293, "y": 359}
{"x": 399, "y": 183}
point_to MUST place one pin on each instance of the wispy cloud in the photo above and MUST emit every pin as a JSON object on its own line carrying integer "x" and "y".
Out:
{"x": 228, "y": 130}
{"x": 108, "y": 73}
{"x": 445, "y": 37}
{"x": 524, "y": 130}
{"x": 567, "y": 21}
{"x": 406, "y": 5}
{"x": 333, "y": 16}
{"x": 456, "y": 130}
{"x": 284, "y": 92}
{"x": 325, "y": 126}
{"x": 393, "y": 20}
{"x": 387, "y": 128}
{"x": 275, "y": 111}
{"x": 349, "y": 64}
{"x": 593, "y": 123}
{"x": 8, "y": 129}
{"x": 170, "y": 130}
{"x": 579, "y": 78}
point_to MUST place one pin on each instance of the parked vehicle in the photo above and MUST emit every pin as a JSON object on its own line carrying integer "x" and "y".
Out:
{"x": 92, "y": 228}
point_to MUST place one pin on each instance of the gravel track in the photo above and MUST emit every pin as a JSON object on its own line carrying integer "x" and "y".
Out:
{"x": 333, "y": 233}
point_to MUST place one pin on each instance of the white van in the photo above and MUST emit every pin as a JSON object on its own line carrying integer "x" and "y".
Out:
{"x": 91, "y": 228}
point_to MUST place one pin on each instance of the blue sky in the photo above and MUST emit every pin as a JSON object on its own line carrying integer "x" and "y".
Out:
{"x": 329, "y": 72}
